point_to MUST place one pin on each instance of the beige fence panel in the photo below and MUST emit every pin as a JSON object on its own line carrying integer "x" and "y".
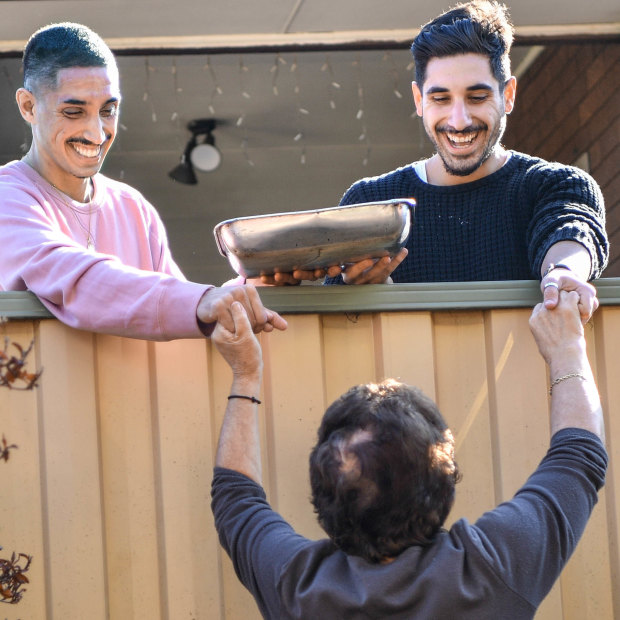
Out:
{"x": 109, "y": 489}
{"x": 463, "y": 398}
{"x": 23, "y": 525}
{"x": 184, "y": 439}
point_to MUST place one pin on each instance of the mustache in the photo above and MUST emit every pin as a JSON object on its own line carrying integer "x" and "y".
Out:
{"x": 466, "y": 130}
{"x": 85, "y": 142}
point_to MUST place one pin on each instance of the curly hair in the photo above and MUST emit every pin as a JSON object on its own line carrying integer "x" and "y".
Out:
{"x": 62, "y": 46}
{"x": 478, "y": 27}
{"x": 382, "y": 472}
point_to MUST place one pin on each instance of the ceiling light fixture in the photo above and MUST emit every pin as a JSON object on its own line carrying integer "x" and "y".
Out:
{"x": 203, "y": 156}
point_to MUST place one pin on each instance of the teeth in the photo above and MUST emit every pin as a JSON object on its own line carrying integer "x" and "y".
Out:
{"x": 460, "y": 139}
{"x": 87, "y": 151}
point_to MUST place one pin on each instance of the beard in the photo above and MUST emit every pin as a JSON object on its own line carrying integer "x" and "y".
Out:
{"x": 462, "y": 166}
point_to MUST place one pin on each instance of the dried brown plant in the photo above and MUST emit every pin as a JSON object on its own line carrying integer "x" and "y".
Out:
{"x": 12, "y": 577}
{"x": 12, "y": 372}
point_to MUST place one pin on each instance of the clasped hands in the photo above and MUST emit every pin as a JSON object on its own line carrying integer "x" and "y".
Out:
{"x": 561, "y": 279}
{"x": 215, "y": 304}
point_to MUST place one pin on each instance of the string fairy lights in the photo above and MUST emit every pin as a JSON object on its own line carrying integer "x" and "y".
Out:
{"x": 275, "y": 71}
{"x": 177, "y": 89}
{"x": 245, "y": 95}
{"x": 300, "y": 136}
{"x": 233, "y": 88}
{"x": 332, "y": 83}
{"x": 360, "y": 116}
{"x": 146, "y": 97}
{"x": 387, "y": 58}
{"x": 216, "y": 89}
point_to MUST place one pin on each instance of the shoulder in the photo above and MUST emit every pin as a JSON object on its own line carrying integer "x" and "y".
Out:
{"x": 20, "y": 190}
{"x": 124, "y": 198}
{"x": 15, "y": 174}
{"x": 119, "y": 190}
{"x": 398, "y": 174}
{"x": 396, "y": 183}
{"x": 538, "y": 169}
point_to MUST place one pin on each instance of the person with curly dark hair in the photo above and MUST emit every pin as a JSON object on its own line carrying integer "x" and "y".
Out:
{"x": 383, "y": 477}
{"x": 382, "y": 472}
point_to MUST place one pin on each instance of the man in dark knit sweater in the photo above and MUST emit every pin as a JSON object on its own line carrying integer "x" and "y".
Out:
{"x": 483, "y": 212}
{"x": 383, "y": 475}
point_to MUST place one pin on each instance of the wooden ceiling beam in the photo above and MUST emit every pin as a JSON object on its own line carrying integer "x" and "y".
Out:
{"x": 321, "y": 41}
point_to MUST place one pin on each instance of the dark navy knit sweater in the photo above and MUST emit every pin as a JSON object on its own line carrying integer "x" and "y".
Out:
{"x": 496, "y": 228}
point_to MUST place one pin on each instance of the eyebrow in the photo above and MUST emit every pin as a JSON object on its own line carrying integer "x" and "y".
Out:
{"x": 81, "y": 102}
{"x": 441, "y": 89}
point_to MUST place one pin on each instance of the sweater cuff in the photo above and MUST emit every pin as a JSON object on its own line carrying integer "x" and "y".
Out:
{"x": 177, "y": 307}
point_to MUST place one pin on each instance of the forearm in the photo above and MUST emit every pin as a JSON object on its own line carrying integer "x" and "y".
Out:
{"x": 239, "y": 443}
{"x": 571, "y": 254}
{"x": 135, "y": 291}
{"x": 575, "y": 401}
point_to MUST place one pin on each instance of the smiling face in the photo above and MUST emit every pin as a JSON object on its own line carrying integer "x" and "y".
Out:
{"x": 464, "y": 115}
{"x": 73, "y": 125}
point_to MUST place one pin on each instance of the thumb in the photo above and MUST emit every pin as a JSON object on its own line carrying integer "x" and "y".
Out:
{"x": 240, "y": 318}
{"x": 551, "y": 295}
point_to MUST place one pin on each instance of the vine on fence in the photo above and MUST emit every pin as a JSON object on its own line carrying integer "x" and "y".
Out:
{"x": 14, "y": 376}
{"x": 12, "y": 578}
{"x": 12, "y": 372}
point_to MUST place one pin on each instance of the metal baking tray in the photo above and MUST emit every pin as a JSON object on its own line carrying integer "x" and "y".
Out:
{"x": 282, "y": 242}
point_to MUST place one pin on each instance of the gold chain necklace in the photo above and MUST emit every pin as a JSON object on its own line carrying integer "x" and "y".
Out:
{"x": 90, "y": 240}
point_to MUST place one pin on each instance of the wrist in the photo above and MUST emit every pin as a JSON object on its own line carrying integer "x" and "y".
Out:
{"x": 567, "y": 360}
{"x": 246, "y": 382}
{"x": 553, "y": 266}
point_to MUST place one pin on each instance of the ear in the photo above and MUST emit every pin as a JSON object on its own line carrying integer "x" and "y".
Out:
{"x": 25, "y": 103}
{"x": 510, "y": 92}
{"x": 417, "y": 97}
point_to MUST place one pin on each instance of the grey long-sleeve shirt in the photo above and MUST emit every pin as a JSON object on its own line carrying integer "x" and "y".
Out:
{"x": 502, "y": 566}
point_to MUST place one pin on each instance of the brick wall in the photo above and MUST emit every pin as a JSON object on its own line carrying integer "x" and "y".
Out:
{"x": 568, "y": 107}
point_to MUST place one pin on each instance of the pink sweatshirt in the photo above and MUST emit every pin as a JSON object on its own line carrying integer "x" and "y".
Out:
{"x": 128, "y": 286}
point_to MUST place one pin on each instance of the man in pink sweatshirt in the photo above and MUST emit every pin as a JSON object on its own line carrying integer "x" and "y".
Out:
{"x": 94, "y": 250}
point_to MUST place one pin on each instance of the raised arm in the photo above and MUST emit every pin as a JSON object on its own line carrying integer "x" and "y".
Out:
{"x": 559, "y": 335}
{"x": 239, "y": 444}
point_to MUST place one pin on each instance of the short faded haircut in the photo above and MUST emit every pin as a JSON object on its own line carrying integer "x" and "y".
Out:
{"x": 62, "y": 46}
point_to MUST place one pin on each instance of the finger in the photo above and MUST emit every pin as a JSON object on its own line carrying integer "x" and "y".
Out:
{"x": 551, "y": 294}
{"x": 282, "y": 279}
{"x": 275, "y": 321}
{"x": 399, "y": 258}
{"x": 253, "y": 306}
{"x": 225, "y": 329}
{"x": 334, "y": 270}
{"x": 240, "y": 319}
{"x": 356, "y": 273}
{"x": 586, "y": 307}
{"x": 223, "y": 316}
{"x": 379, "y": 273}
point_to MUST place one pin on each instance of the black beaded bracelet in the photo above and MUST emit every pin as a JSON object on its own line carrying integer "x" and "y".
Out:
{"x": 252, "y": 398}
{"x": 553, "y": 266}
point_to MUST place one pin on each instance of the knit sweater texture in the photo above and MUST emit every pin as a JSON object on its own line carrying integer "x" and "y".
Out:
{"x": 498, "y": 227}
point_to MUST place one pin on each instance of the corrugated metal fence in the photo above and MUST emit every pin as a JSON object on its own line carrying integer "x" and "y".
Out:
{"x": 109, "y": 487}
